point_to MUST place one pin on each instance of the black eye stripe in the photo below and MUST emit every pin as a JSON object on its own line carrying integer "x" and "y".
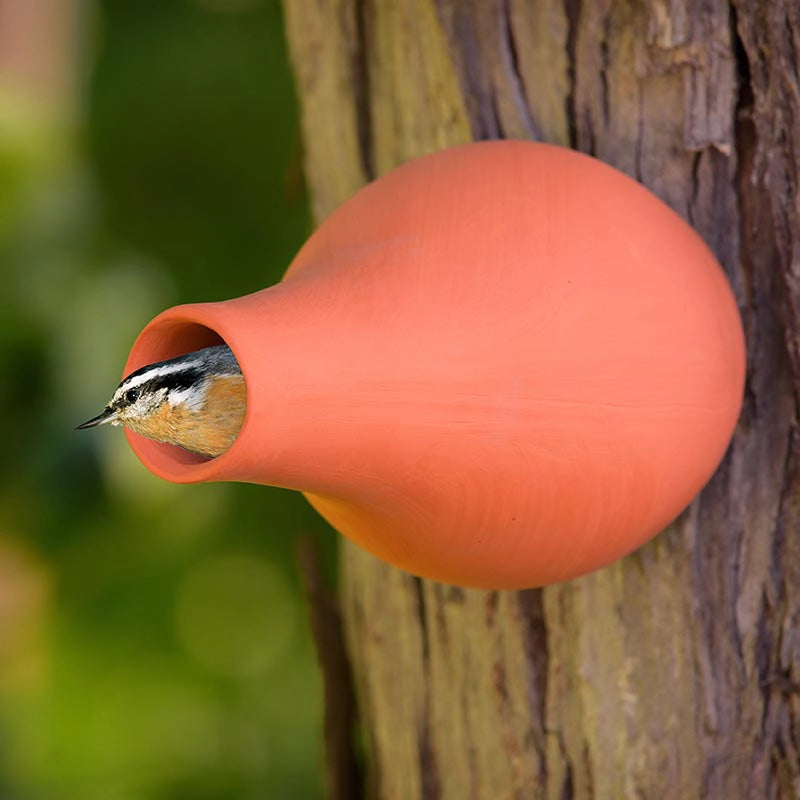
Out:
{"x": 174, "y": 380}
{"x": 179, "y": 379}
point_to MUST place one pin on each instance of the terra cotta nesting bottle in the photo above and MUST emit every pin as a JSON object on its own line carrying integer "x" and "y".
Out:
{"x": 502, "y": 365}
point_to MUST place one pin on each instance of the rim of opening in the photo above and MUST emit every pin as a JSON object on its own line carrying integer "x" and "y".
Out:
{"x": 171, "y": 334}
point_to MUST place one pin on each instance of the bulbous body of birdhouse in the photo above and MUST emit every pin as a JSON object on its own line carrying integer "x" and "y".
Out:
{"x": 502, "y": 365}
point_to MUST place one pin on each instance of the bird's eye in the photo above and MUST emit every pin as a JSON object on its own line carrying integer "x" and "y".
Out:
{"x": 132, "y": 395}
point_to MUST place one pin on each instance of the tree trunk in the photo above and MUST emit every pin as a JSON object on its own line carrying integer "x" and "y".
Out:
{"x": 674, "y": 673}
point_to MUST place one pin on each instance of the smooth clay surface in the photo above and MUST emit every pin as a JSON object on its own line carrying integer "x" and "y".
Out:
{"x": 502, "y": 365}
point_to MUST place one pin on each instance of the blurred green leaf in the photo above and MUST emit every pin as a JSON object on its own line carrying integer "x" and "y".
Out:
{"x": 166, "y": 652}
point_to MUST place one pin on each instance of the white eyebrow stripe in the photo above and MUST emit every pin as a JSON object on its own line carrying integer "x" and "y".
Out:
{"x": 191, "y": 397}
{"x": 155, "y": 372}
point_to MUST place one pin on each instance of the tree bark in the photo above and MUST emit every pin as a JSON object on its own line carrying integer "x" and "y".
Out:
{"x": 674, "y": 673}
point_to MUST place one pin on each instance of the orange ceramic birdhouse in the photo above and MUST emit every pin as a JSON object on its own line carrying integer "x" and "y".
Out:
{"x": 502, "y": 365}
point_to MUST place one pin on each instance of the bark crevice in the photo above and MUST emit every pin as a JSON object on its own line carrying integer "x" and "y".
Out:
{"x": 426, "y": 752}
{"x": 515, "y": 80}
{"x": 343, "y": 774}
{"x": 361, "y": 87}
{"x": 572, "y": 11}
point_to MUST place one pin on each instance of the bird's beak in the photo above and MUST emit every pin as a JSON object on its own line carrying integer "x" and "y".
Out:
{"x": 108, "y": 415}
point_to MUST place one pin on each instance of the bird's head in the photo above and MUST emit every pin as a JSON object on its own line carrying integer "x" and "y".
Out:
{"x": 196, "y": 401}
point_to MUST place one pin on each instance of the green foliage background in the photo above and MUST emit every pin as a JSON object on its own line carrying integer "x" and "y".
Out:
{"x": 153, "y": 638}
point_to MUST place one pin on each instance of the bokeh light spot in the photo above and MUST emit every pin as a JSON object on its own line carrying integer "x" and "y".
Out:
{"x": 235, "y": 615}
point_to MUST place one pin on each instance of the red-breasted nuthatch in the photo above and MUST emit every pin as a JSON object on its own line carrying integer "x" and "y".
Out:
{"x": 196, "y": 401}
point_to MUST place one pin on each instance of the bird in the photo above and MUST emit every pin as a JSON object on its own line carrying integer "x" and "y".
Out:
{"x": 196, "y": 401}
